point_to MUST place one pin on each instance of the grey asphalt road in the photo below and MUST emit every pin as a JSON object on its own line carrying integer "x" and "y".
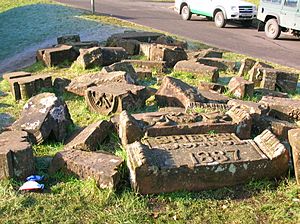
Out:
{"x": 285, "y": 51}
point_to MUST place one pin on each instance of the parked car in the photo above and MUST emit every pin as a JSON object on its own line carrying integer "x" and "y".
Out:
{"x": 219, "y": 10}
{"x": 278, "y": 16}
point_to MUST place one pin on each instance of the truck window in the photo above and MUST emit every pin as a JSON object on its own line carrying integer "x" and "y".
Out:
{"x": 290, "y": 3}
{"x": 278, "y": 2}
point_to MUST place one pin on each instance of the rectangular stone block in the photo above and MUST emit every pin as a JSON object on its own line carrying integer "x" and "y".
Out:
{"x": 220, "y": 63}
{"x": 158, "y": 66}
{"x": 140, "y": 36}
{"x": 294, "y": 139}
{"x": 240, "y": 87}
{"x": 59, "y": 54}
{"x": 6, "y": 164}
{"x": 26, "y": 87}
{"x": 15, "y": 75}
{"x": 103, "y": 167}
{"x": 198, "y": 162}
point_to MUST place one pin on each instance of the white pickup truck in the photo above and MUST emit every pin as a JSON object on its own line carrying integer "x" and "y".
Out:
{"x": 219, "y": 10}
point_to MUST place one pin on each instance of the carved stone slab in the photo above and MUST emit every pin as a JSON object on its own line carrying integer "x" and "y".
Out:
{"x": 15, "y": 75}
{"x": 158, "y": 66}
{"x": 103, "y": 167}
{"x": 16, "y": 155}
{"x": 282, "y": 108}
{"x": 203, "y": 161}
{"x": 26, "y": 87}
{"x": 80, "y": 84}
{"x": 294, "y": 139}
{"x": 115, "y": 97}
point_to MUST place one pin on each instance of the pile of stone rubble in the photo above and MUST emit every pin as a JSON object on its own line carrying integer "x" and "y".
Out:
{"x": 198, "y": 139}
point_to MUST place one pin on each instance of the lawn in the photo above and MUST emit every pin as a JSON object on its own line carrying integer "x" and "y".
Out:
{"x": 68, "y": 200}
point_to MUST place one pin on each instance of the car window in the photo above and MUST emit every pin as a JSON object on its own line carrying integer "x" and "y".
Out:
{"x": 273, "y": 1}
{"x": 291, "y": 3}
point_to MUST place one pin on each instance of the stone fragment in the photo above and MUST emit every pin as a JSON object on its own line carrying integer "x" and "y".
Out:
{"x": 294, "y": 139}
{"x": 202, "y": 161}
{"x": 220, "y": 63}
{"x": 246, "y": 65}
{"x": 132, "y": 47}
{"x": 255, "y": 74}
{"x": 65, "y": 39}
{"x": 120, "y": 66}
{"x": 80, "y": 84}
{"x": 205, "y": 53}
{"x": 170, "y": 41}
{"x": 103, "y": 167}
{"x": 214, "y": 97}
{"x": 103, "y": 56}
{"x": 176, "y": 93}
{"x": 143, "y": 73}
{"x": 26, "y": 87}
{"x": 16, "y": 155}
{"x": 60, "y": 84}
{"x": 171, "y": 55}
{"x": 158, "y": 66}
{"x": 15, "y": 75}
{"x": 212, "y": 86}
{"x": 145, "y": 50}
{"x": 140, "y": 36}
{"x": 83, "y": 45}
{"x": 129, "y": 129}
{"x": 90, "y": 137}
{"x": 287, "y": 81}
{"x": 115, "y": 97}
{"x": 267, "y": 92}
{"x": 44, "y": 116}
{"x": 5, "y": 120}
{"x": 201, "y": 71}
{"x": 56, "y": 55}
{"x": 278, "y": 127}
{"x": 282, "y": 108}
{"x": 243, "y": 122}
{"x": 240, "y": 87}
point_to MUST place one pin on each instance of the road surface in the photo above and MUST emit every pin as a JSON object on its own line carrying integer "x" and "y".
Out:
{"x": 158, "y": 15}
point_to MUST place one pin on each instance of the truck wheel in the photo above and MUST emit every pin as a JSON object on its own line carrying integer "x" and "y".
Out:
{"x": 186, "y": 13}
{"x": 219, "y": 19}
{"x": 272, "y": 29}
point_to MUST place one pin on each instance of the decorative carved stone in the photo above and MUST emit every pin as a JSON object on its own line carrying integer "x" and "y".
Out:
{"x": 240, "y": 87}
{"x": 201, "y": 71}
{"x": 158, "y": 66}
{"x": 220, "y": 63}
{"x": 26, "y": 87}
{"x": 103, "y": 167}
{"x": 294, "y": 139}
{"x": 80, "y": 84}
{"x": 15, "y": 75}
{"x": 282, "y": 108}
{"x": 212, "y": 86}
{"x": 44, "y": 116}
{"x": 90, "y": 137}
{"x": 57, "y": 55}
{"x": 68, "y": 38}
{"x": 246, "y": 65}
{"x": 202, "y": 161}
{"x": 115, "y": 97}
{"x": 255, "y": 74}
{"x": 171, "y": 55}
{"x": 16, "y": 155}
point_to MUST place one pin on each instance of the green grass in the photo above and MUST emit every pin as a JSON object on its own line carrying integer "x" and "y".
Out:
{"x": 69, "y": 200}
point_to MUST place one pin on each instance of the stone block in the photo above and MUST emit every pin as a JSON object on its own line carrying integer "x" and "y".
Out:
{"x": 201, "y": 71}
{"x": 282, "y": 108}
{"x": 201, "y": 161}
{"x": 16, "y": 155}
{"x": 143, "y": 73}
{"x": 132, "y": 47}
{"x": 267, "y": 92}
{"x": 83, "y": 45}
{"x": 26, "y": 87}
{"x": 171, "y": 55}
{"x": 220, "y": 63}
{"x": 120, "y": 66}
{"x": 170, "y": 41}
{"x": 255, "y": 74}
{"x": 246, "y": 65}
{"x": 80, "y": 84}
{"x": 158, "y": 66}
{"x": 44, "y": 116}
{"x": 91, "y": 137}
{"x": 214, "y": 97}
{"x": 56, "y": 55}
{"x": 15, "y": 75}
{"x": 294, "y": 139}
{"x": 139, "y": 36}
{"x": 103, "y": 167}
{"x": 60, "y": 84}
{"x": 205, "y": 53}
{"x": 287, "y": 81}
{"x": 176, "y": 93}
{"x": 115, "y": 97}
{"x": 65, "y": 39}
{"x": 145, "y": 49}
{"x": 211, "y": 86}
{"x": 240, "y": 87}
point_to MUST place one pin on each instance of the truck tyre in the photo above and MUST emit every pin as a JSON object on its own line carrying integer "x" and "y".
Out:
{"x": 272, "y": 29}
{"x": 219, "y": 19}
{"x": 186, "y": 13}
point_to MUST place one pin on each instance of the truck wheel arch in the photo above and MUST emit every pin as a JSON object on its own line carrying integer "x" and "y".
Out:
{"x": 181, "y": 6}
{"x": 272, "y": 16}
{"x": 219, "y": 8}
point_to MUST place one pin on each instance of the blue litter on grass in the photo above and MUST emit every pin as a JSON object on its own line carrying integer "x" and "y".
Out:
{"x": 35, "y": 178}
